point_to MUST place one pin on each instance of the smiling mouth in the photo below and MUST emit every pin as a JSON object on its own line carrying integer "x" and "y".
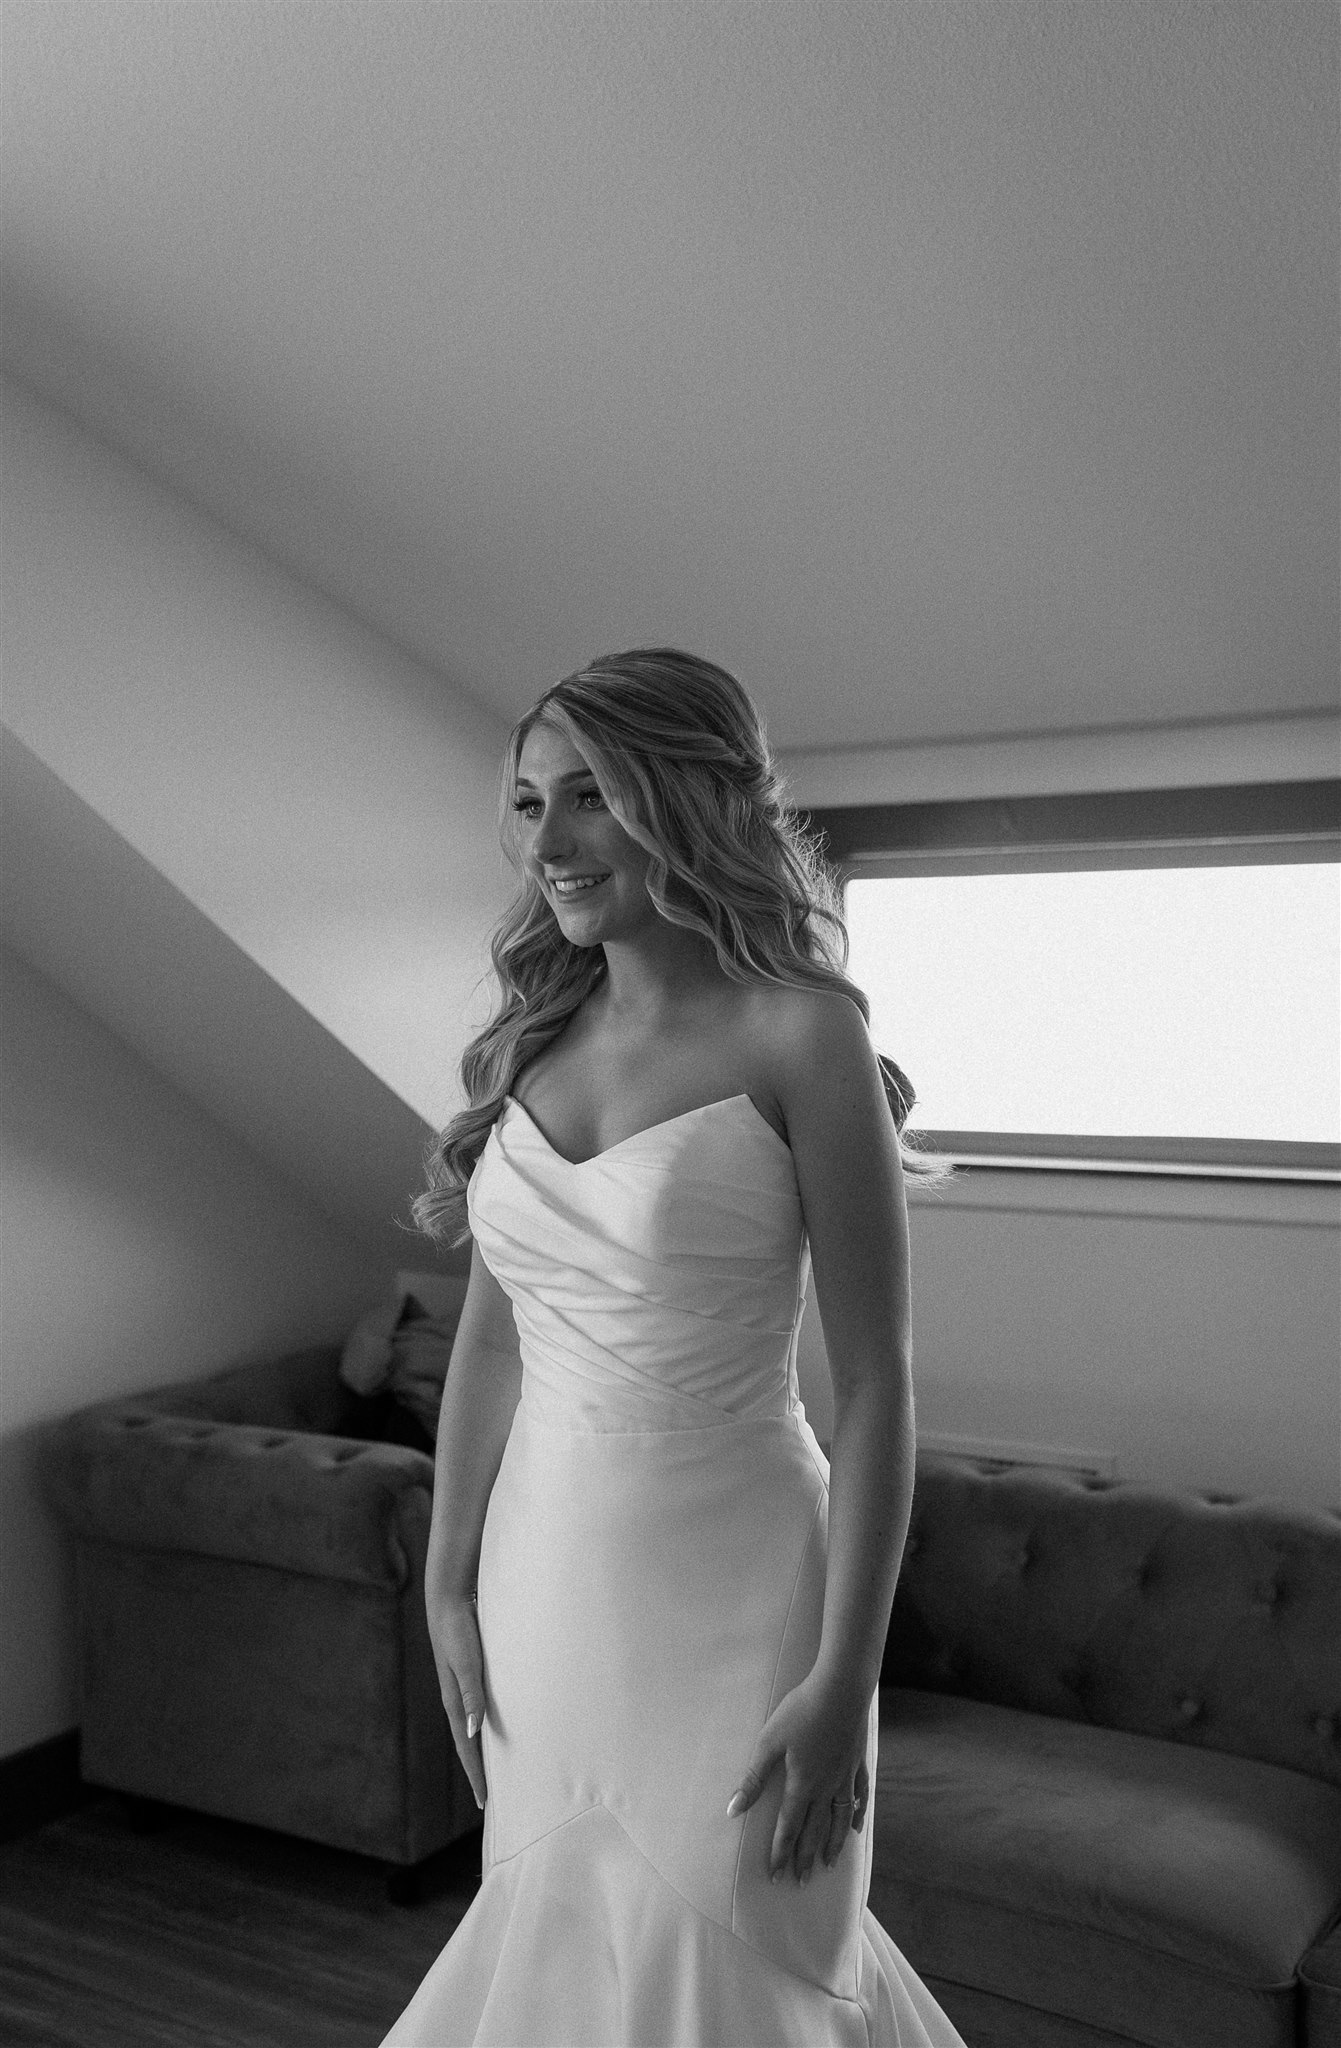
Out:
{"x": 576, "y": 885}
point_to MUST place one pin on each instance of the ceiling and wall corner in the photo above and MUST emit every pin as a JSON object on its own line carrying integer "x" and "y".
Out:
{"x": 301, "y": 782}
{"x": 78, "y": 903}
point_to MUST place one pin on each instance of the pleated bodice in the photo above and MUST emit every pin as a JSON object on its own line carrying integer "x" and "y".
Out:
{"x": 666, "y": 1287}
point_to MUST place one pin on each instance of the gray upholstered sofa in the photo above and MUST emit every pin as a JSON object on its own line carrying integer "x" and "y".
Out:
{"x": 1107, "y": 1808}
{"x": 252, "y": 1642}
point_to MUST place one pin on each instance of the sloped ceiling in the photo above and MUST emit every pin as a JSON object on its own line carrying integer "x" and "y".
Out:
{"x": 947, "y": 369}
{"x": 83, "y": 906}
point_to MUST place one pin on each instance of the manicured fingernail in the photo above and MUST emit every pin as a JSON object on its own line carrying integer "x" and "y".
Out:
{"x": 472, "y": 1723}
{"x": 734, "y": 1808}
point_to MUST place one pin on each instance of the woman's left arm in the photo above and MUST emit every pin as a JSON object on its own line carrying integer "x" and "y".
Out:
{"x": 848, "y": 1170}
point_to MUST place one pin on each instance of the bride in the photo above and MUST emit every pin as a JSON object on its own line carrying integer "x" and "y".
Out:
{"x": 658, "y": 1617}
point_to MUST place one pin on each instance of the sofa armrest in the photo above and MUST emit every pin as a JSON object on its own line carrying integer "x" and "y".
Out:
{"x": 320, "y": 1505}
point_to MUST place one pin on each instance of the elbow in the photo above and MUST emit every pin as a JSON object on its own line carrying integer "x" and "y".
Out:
{"x": 883, "y": 1391}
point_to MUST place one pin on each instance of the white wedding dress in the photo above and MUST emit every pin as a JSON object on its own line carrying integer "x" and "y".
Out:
{"x": 651, "y": 1584}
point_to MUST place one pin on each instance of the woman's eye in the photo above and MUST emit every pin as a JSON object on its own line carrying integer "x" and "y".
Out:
{"x": 592, "y": 796}
{"x": 526, "y": 804}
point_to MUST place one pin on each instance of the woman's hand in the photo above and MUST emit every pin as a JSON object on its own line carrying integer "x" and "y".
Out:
{"x": 819, "y": 1735}
{"x": 454, "y": 1632}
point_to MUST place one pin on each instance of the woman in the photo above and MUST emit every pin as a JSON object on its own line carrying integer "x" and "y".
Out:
{"x": 658, "y": 1630}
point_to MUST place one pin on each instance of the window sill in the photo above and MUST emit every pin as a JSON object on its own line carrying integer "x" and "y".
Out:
{"x": 1125, "y": 1188}
{"x": 1182, "y": 1169}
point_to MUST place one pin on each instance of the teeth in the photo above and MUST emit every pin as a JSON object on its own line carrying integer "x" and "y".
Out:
{"x": 571, "y": 887}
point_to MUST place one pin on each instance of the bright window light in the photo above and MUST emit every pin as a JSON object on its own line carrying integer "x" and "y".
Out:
{"x": 1175, "y": 1002}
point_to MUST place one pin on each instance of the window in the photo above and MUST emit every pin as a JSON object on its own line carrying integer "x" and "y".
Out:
{"x": 1131, "y": 982}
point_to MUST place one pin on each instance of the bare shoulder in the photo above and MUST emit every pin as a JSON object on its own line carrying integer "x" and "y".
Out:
{"x": 825, "y": 1079}
{"x": 797, "y": 1026}
{"x": 815, "y": 1050}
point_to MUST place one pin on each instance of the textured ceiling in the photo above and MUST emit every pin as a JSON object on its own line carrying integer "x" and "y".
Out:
{"x": 946, "y": 369}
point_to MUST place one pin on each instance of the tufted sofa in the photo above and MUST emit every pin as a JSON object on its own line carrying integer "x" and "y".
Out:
{"x": 1108, "y": 1806}
{"x": 252, "y": 1641}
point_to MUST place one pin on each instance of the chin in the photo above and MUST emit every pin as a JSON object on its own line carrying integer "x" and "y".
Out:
{"x": 580, "y": 931}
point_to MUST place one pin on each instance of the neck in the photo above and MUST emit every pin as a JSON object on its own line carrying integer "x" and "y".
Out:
{"x": 657, "y": 970}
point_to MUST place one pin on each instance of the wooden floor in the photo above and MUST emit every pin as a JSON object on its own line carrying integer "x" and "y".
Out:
{"x": 204, "y": 1934}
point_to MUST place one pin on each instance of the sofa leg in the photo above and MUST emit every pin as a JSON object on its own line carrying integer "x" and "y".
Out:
{"x": 405, "y": 1884}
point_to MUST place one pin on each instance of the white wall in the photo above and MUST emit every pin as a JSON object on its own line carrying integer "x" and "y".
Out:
{"x": 1187, "y": 1329}
{"x": 322, "y": 798}
{"x": 141, "y": 1244}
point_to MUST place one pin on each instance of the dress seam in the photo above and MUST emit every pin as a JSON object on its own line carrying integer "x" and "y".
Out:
{"x": 704, "y": 1429}
{"x": 599, "y": 1806}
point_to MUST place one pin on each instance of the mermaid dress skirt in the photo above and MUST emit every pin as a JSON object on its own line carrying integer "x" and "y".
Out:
{"x": 651, "y": 1584}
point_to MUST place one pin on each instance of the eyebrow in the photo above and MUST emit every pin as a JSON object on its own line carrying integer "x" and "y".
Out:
{"x": 571, "y": 775}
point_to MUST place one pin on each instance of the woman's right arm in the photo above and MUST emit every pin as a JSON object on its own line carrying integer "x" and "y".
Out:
{"x": 479, "y": 1400}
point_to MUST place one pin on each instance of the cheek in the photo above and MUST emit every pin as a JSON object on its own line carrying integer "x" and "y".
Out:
{"x": 620, "y": 850}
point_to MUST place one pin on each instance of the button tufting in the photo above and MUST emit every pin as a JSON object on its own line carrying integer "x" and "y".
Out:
{"x": 1325, "y": 1726}
{"x": 1189, "y": 1709}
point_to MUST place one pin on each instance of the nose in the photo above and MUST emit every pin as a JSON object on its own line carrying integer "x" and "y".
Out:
{"x": 553, "y": 835}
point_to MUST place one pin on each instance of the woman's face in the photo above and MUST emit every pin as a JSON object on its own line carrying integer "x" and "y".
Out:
{"x": 594, "y": 877}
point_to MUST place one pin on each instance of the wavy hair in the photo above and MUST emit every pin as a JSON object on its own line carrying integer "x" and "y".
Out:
{"x": 677, "y": 750}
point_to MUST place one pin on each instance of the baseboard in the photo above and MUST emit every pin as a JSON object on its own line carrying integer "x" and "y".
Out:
{"x": 40, "y": 1784}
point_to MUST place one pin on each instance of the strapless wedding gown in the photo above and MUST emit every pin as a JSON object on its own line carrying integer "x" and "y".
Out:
{"x": 651, "y": 1584}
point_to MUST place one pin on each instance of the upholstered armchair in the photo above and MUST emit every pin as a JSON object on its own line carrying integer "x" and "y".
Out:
{"x": 252, "y": 1640}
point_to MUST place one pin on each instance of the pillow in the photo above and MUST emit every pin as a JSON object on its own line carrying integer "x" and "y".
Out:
{"x": 402, "y": 1346}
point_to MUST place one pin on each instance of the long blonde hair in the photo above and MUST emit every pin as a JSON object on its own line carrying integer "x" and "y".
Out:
{"x": 677, "y": 750}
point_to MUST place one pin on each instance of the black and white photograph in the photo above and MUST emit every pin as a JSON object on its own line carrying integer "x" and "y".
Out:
{"x": 670, "y": 1023}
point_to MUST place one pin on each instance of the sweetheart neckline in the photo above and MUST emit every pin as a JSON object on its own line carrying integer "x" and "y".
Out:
{"x": 648, "y": 1130}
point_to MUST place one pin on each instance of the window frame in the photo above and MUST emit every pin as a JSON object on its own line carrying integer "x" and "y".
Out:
{"x": 1247, "y": 823}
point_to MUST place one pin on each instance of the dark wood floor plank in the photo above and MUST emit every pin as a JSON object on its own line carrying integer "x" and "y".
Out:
{"x": 167, "y": 1986}
{"x": 63, "y": 2006}
{"x": 206, "y": 1934}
